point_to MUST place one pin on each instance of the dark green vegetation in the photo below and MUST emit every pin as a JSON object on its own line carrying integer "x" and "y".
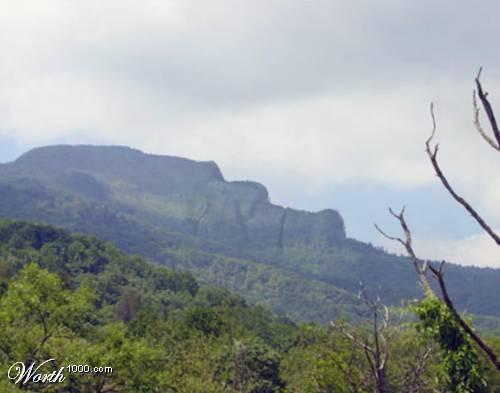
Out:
{"x": 460, "y": 369}
{"x": 184, "y": 215}
{"x": 80, "y": 300}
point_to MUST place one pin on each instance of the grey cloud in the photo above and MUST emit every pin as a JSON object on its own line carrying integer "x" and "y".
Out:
{"x": 237, "y": 53}
{"x": 291, "y": 92}
{"x": 293, "y": 49}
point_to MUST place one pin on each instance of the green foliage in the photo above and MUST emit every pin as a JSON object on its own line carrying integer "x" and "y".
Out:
{"x": 492, "y": 375}
{"x": 320, "y": 361}
{"x": 250, "y": 366}
{"x": 203, "y": 319}
{"x": 36, "y": 310}
{"x": 461, "y": 370}
{"x": 79, "y": 300}
{"x": 282, "y": 290}
{"x": 185, "y": 215}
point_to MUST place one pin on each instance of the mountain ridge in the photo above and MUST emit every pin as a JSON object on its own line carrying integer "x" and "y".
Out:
{"x": 245, "y": 204}
{"x": 226, "y": 233}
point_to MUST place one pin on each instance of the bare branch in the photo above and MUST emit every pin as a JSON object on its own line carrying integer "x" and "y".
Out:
{"x": 375, "y": 346}
{"x": 483, "y": 96}
{"x": 439, "y": 274}
{"x": 432, "y": 153}
{"x": 407, "y": 243}
{"x": 351, "y": 338}
{"x": 477, "y": 123}
{"x": 428, "y": 141}
{"x": 385, "y": 342}
{"x": 398, "y": 239}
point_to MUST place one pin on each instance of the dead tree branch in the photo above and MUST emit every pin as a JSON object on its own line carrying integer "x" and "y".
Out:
{"x": 432, "y": 154}
{"x": 420, "y": 268}
{"x": 376, "y": 347}
{"x": 483, "y": 96}
{"x": 479, "y": 127}
{"x": 439, "y": 274}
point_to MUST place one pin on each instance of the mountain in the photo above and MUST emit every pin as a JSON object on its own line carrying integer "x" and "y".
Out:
{"x": 184, "y": 214}
{"x": 186, "y": 196}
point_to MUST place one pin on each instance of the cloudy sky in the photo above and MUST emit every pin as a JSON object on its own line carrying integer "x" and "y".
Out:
{"x": 325, "y": 102}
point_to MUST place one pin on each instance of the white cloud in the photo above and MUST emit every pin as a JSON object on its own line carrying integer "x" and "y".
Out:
{"x": 322, "y": 92}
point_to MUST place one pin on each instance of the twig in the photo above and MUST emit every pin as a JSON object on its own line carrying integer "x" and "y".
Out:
{"x": 483, "y": 96}
{"x": 351, "y": 338}
{"x": 477, "y": 123}
{"x": 407, "y": 243}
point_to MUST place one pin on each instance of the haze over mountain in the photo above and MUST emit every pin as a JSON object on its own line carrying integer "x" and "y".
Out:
{"x": 261, "y": 88}
{"x": 184, "y": 214}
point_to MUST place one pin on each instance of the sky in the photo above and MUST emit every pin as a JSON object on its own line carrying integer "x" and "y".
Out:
{"x": 324, "y": 102}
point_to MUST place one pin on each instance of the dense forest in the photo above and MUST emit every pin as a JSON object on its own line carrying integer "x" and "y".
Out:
{"x": 80, "y": 301}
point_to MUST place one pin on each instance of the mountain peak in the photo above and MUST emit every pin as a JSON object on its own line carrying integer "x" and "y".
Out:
{"x": 154, "y": 173}
{"x": 109, "y": 159}
{"x": 184, "y": 195}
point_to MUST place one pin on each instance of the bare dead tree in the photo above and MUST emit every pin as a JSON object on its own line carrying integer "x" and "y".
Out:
{"x": 376, "y": 347}
{"x": 421, "y": 267}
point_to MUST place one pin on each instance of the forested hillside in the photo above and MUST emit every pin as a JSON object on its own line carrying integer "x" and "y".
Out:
{"x": 80, "y": 301}
{"x": 183, "y": 214}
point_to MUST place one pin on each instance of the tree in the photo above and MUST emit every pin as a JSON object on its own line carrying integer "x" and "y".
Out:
{"x": 376, "y": 346}
{"x": 250, "y": 366}
{"x": 322, "y": 360}
{"x": 438, "y": 316}
{"x": 377, "y": 342}
{"x": 38, "y": 317}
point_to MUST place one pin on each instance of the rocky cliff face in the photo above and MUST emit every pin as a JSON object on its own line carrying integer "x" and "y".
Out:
{"x": 240, "y": 212}
{"x": 183, "y": 195}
